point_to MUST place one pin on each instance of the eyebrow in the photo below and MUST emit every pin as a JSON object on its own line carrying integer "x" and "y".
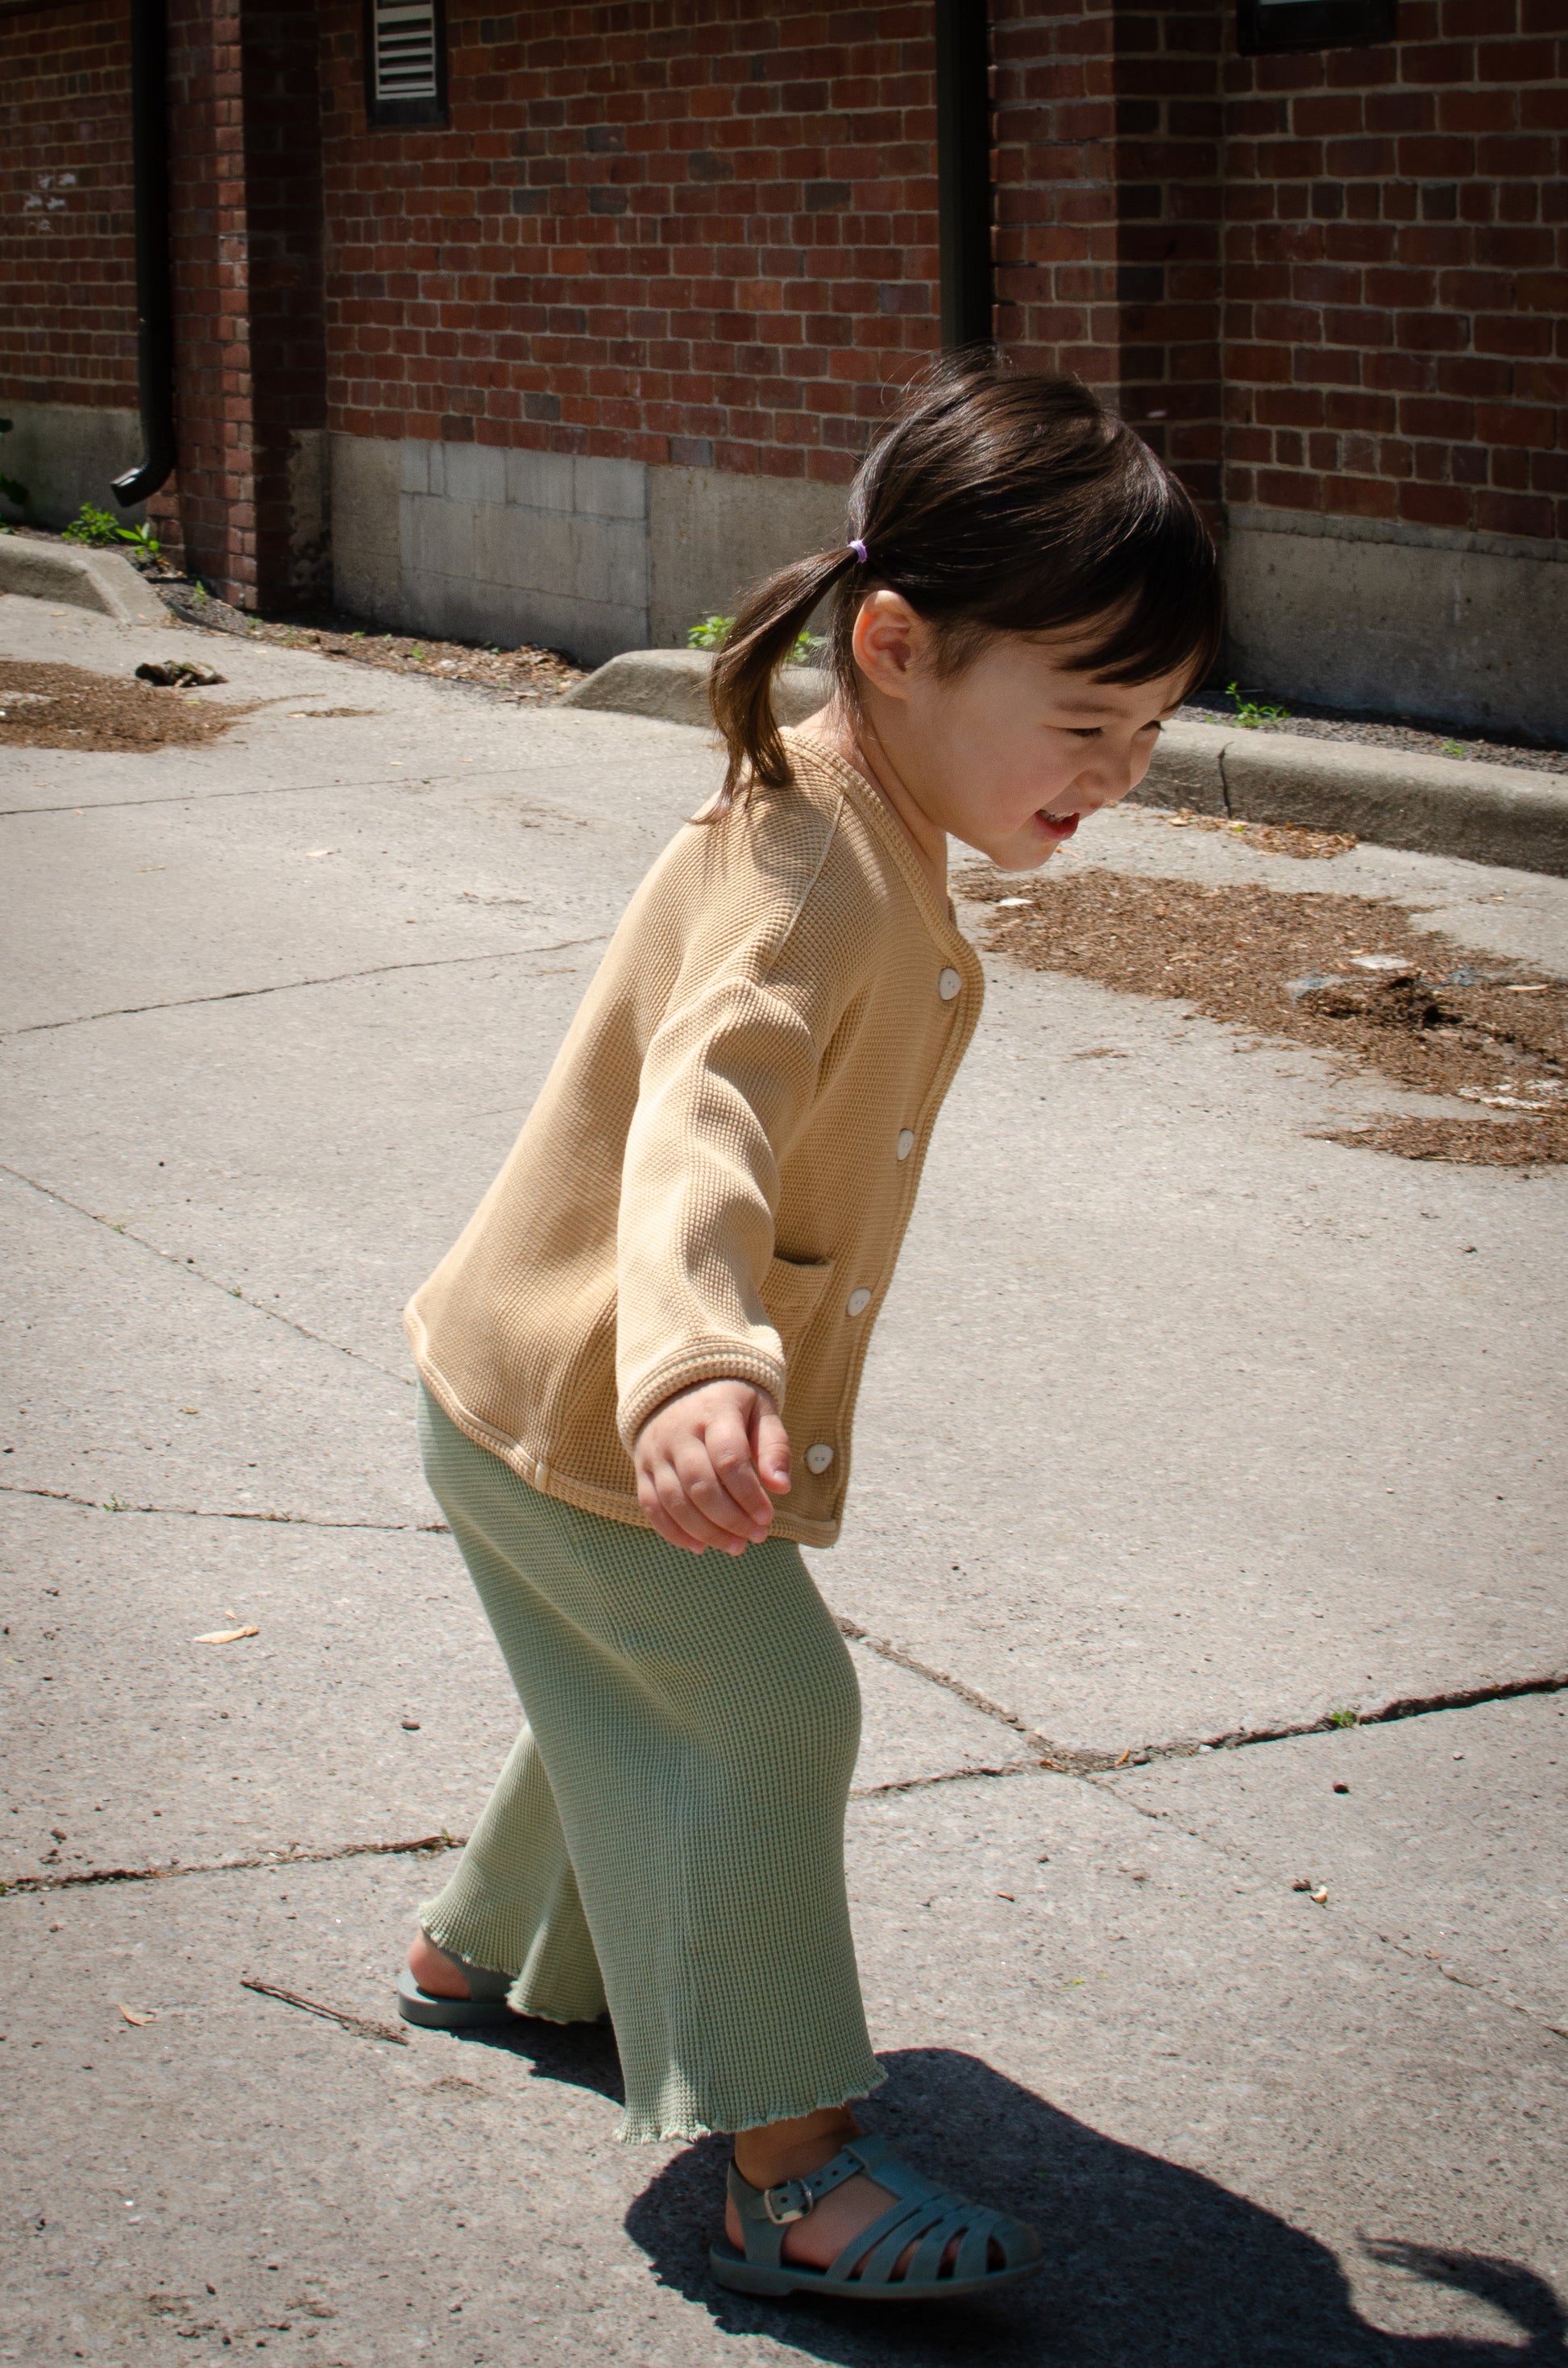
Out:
{"x": 1099, "y": 707}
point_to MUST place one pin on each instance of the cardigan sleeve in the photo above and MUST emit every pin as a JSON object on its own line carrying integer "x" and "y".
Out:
{"x": 728, "y": 1080}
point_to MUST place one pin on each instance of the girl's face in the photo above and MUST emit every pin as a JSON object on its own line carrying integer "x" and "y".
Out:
{"x": 1011, "y": 753}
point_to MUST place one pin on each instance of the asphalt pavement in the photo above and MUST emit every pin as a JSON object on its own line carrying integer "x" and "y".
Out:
{"x": 1183, "y": 1426}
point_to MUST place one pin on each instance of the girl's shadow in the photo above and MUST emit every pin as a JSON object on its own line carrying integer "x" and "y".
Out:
{"x": 1147, "y": 2265}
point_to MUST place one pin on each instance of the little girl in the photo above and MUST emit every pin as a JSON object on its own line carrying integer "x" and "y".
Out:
{"x": 640, "y": 1360}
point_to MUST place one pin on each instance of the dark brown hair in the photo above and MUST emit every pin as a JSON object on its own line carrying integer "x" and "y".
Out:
{"x": 1001, "y": 501}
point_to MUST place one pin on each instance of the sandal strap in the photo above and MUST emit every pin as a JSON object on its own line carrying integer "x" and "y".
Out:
{"x": 793, "y": 2198}
{"x": 921, "y": 2213}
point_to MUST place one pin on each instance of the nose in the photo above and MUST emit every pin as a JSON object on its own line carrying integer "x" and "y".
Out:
{"x": 1109, "y": 777}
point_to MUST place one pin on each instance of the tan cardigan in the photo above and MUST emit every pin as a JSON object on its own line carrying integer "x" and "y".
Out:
{"x": 717, "y": 1173}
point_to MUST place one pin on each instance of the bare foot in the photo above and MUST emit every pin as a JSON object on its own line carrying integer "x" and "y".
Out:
{"x": 792, "y": 2150}
{"x": 433, "y": 1970}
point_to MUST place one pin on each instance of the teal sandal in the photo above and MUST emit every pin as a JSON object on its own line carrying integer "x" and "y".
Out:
{"x": 484, "y": 2007}
{"x": 922, "y": 2214}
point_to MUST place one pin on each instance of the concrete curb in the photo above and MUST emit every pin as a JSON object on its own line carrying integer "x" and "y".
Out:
{"x": 1438, "y": 805}
{"x": 78, "y": 578}
{"x": 672, "y": 686}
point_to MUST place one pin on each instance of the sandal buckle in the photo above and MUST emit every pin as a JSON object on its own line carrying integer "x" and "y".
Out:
{"x": 788, "y": 2202}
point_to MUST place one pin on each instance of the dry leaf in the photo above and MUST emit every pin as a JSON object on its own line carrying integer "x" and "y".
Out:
{"x": 227, "y": 1635}
{"x": 139, "y": 2015}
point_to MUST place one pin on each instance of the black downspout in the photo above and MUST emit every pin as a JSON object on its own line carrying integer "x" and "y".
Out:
{"x": 963, "y": 170}
{"x": 154, "y": 290}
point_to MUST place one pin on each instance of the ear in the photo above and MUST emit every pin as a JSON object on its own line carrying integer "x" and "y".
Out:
{"x": 890, "y": 641}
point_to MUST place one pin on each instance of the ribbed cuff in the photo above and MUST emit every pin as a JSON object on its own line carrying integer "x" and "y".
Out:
{"x": 700, "y": 1361}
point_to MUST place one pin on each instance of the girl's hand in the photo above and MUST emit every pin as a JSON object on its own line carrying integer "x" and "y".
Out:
{"x": 705, "y": 1461}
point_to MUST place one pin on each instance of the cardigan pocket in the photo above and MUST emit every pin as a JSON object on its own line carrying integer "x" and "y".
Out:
{"x": 791, "y": 1293}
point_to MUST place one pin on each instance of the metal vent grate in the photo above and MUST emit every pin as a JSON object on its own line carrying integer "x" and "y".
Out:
{"x": 405, "y": 59}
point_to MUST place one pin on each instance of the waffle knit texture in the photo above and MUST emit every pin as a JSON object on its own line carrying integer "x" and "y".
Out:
{"x": 717, "y": 1175}
{"x": 667, "y": 1836}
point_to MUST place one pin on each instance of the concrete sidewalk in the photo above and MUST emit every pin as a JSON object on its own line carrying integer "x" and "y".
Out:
{"x": 1180, "y": 1424}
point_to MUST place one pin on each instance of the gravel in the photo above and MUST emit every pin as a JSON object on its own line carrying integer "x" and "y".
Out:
{"x": 1310, "y": 723}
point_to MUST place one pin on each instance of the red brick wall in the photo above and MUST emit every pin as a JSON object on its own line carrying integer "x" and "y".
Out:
{"x": 1109, "y": 158}
{"x": 207, "y": 512}
{"x": 1396, "y": 273}
{"x": 67, "y": 261}
{"x": 694, "y": 231}
{"x": 1334, "y": 282}
{"x": 246, "y": 245}
{"x": 687, "y": 231}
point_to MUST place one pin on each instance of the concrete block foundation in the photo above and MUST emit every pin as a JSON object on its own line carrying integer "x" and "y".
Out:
{"x": 1366, "y": 613}
{"x": 65, "y": 454}
{"x": 592, "y": 556}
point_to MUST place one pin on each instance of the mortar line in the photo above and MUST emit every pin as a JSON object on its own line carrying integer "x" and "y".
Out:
{"x": 206, "y": 1513}
{"x": 187, "y": 1267}
{"x": 297, "y": 986}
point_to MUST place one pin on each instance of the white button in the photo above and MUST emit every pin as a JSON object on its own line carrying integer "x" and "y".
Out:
{"x": 819, "y": 1457}
{"x": 857, "y": 1302}
{"x": 948, "y": 985}
{"x": 905, "y": 1143}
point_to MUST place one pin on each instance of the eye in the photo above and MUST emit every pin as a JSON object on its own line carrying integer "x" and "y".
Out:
{"x": 1084, "y": 732}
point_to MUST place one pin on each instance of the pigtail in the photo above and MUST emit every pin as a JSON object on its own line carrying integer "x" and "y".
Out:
{"x": 772, "y": 619}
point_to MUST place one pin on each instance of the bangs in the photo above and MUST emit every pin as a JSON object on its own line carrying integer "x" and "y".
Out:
{"x": 1150, "y": 573}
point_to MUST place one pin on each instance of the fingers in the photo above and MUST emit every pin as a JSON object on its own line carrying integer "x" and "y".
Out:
{"x": 742, "y": 1503}
{"x": 663, "y": 1499}
{"x": 697, "y": 1460}
{"x": 770, "y": 1446}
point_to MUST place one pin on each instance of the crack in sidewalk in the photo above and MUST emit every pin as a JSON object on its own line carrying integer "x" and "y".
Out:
{"x": 297, "y": 986}
{"x": 206, "y": 1513}
{"x": 1055, "y": 1756}
{"x": 291, "y": 1854}
{"x": 202, "y": 797}
{"x": 188, "y": 1267}
{"x": 1241, "y": 1860}
{"x": 327, "y": 1855}
{"x": 1066, "y": 1759}
{"x": 1225, "y": 779}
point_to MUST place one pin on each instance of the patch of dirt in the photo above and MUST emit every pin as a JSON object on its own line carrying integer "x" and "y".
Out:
{"x": 1347, "y": 975}
{"x": 1268, "y": 837}
{"x": 529, "y": 676}
{"x": 68, "y": 707}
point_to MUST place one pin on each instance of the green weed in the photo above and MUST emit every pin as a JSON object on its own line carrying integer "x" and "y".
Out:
{"x": 1344, "y": 1718}
{"x": 714, "y": 632}
{"x": 93, "y": 526}
{"x": 101, "y": 528}
{"x": 1250, "y": 715}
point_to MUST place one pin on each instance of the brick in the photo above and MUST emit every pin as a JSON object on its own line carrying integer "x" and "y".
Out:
{"x": 635, "y": 242}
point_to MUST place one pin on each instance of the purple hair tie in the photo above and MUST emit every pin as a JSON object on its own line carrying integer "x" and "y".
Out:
{"x": 858, "y": 548}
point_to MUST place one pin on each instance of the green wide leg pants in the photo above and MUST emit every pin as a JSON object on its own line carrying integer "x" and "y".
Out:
{"x": 667, "y": 1836}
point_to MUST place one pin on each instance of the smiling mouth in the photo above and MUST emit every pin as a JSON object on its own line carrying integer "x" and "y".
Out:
{"x": 1058, "y": 825}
